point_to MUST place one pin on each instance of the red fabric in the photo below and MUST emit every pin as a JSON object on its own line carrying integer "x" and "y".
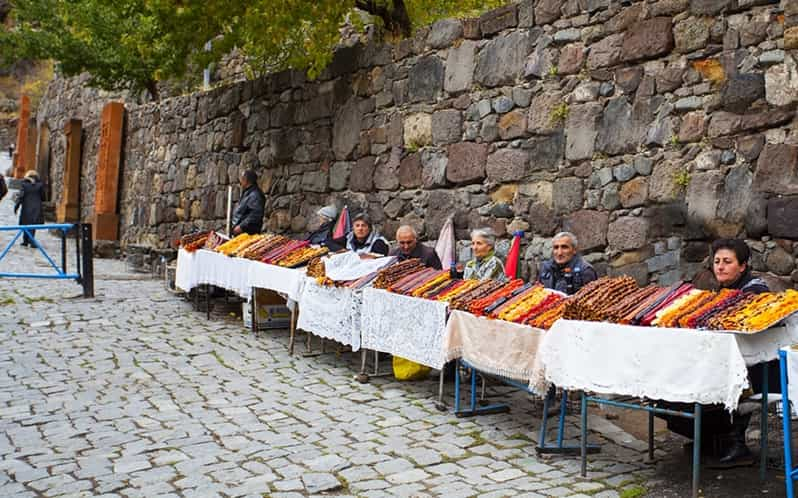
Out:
{"x": 513, "y": 257}
{"x": 342, "y": 226}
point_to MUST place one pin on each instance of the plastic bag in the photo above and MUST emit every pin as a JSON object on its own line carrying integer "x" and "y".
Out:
{"x": 409, "y": 370}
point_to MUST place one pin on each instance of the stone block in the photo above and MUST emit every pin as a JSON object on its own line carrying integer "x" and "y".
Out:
{"x": 629, "y": 78}
{"x": 590, "y": 228}
{"x": 750, "y": 146}
{"x": 742, "y": 90}
{"x": 647, "y": 39}
{"x": 346, "y": 129}
{"x": 417, "y": 130}
{"x": 724, "y": 123}
{"x": 777, "y": 169}
{"x": 547, "y": 11}
{"x": 489, "y": 131}
{"x": 709, "y": 7}
{"x": 691, "y": 34}
{"x": 628, "y": 232}
{"x": 540, "y": 119}
{"x": 624, "y": 126}
{"x": 315, "y": 181}
{"x": 703, "y": 196}
{"x": 545, "y": 152}
{"x": 512, "y": 125}
{"x": 493, "y": 21}
{"x": 572, "y": 58}
{"x": 502, "y": 104}
{"x": 459, "y": 72}
{"x": 780, "y": 261}
{"x": 568, "y": 195}
{"x": 339, "y": 175}
{"x": 638, "y": 271}
{"x": 386, "y": 173}
{"x": 634, "y": 192}
{"x": 466, "y": 162}
{"x": 444, "y": 32}
{"x": 542, "y": 220}
{"x": 662, "y": 185}
{"x": 501, "y": 60}
{"x": 361, "y": 179}
{"x": 433, "y": 168}
{"x": 410, "y": 170}
{"x": 425, "y": 79}
{"x": 506, "y": 165}
{"x": 781, "y": 217}
{"x": 781, "y": 82}
{"x": 605, "y": 52}
{"x": 737, "y": 194}
{"x": 581, "y": 130}
{"x": 447, "y": 126}
{"x": 694, "y": 125}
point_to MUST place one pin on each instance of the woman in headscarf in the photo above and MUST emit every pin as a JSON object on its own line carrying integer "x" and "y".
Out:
{"x": 324, "y": 225}
{"x": 485, "y": 265}
{"x": 30, "y": 198}
{"x": 363, "y": 239}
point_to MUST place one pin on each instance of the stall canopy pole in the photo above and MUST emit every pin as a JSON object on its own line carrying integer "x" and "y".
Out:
{"x": 229, "y": 209}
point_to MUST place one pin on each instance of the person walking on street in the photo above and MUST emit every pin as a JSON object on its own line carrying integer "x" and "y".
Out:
{"x": 30, "y": 198}
{"x": 3, "y": 187}
{"x": 248, "y": 215}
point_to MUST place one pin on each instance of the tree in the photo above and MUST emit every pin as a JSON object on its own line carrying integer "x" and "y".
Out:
{"x": 134, "y": 44}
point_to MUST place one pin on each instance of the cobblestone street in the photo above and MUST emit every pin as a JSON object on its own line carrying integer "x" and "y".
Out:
{"x": 133, "y": 393}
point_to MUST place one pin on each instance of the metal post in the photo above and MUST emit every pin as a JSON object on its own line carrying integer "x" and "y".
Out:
{"x": 208, "y": 301}
{"x": 763, "y": 424}
{"x": 253, "y": 310}
{"x": 696, "y": 448}
{"x": 63, "y": 251}
{"x": 650, "y": 436}
{"x": 583, "y": 441}
{"x": 561, "y": 425}
{"x": 545, "y": 417}
{"x": 87, "y": 275}
{"x": 473, "y": 389}
{"x": 786, "y": 422}
{"x": 457, "y": 386}
{"x": 440, "y": 405}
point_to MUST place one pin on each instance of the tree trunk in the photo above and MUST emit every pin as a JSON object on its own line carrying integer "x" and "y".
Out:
{"x": 396, "y": 19}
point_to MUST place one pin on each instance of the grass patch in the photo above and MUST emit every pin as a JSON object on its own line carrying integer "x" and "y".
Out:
{"x": 633, "y": 492}
{"x": 220, "y": 360}
{"x": 7, "y": 300}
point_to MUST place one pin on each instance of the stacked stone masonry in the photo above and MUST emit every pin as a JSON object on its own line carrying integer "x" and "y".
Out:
{"x": 648, "y": 128}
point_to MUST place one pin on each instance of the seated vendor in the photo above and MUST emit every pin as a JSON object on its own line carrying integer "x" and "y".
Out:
{"x": 566, "y": 271}
{"x": 731, "y": 267}
{"x": 322, "y": 226}
{"x": 485, "y": 265}
{"x": 409, "y": 248}
{"x": 363, "y": 239}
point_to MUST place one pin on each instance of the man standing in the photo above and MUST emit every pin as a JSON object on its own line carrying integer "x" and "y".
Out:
{"x": 409, "y": 248}
{"x": 566, "y": 271}
{"x": 248, "y": 214}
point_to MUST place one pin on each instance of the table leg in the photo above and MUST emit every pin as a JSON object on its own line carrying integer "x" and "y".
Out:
{"x": 696, "y": 448}
{"x": 457, "y": 387}
{"x": 292, "y": 333}
{"x": 253, "y": 313}
{"x": 561, "y": 422}
{"x": 786, "y": 424}
{"x": 583, "y": 442}
{"x": 545, "y": 420}
{"x": 763, "y": 425}
{"x": 650, "y": 436}
{"x": 440, "y": 405}
{"x": 208, "y": 302}
{"x": 362, "y": 377}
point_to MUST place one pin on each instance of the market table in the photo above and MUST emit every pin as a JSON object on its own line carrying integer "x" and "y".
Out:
{"x": 212, "y": 268}
{"x": 331, "y": 312}
{"x": 678, "y": 365}
{"x": 788, "y": 366}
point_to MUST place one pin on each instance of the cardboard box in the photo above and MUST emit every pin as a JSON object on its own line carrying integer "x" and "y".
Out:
{"x": 272, "y": 313}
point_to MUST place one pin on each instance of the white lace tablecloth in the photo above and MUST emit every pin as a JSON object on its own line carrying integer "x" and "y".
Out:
{"x": 764, "y": 346}
{"x": 680, "y": 365}
{"x": 287, "y": 281}
{"x": 208, "y": 267}
{"x": 408, "y": 327}
{"x": 331, "y": 312}
{"x": 493, "y": 346}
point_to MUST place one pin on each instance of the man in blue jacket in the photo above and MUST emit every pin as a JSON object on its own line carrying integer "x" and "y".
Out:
{"x": 248, "y": 214}
{"x": 566, "y": 271}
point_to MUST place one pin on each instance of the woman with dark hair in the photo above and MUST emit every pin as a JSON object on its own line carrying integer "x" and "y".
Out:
{"x": 730, "y": 259}
{"x": 29, "y": 204}
{"x": 363, "y": 239}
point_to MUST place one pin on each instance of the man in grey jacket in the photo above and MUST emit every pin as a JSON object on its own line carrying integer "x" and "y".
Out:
{"x": 248, "y": 214}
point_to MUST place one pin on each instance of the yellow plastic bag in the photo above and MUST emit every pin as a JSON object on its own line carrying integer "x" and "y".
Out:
{"x": 409, "y": 370}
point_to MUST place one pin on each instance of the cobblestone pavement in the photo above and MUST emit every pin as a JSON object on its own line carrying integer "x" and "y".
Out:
{"x": 133, "y": 393}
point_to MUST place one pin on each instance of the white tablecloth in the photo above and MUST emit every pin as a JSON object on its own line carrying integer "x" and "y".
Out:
{"x": 680, "y": 365}
{"x": 494, "y": 346}
{"x": 239, "y": 275}
{"x": 331, "y": 312}
{"x": 408, "y": 327}
{"x": 764, "y": 346}
{"x": 792, "y": 378}
{"x": 208, "y": 267}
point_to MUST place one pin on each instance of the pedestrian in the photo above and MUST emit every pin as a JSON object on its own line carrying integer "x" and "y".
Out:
{"x": 3, "y": 187}
{"x": 11, "y": 151}
{"x": 248, "y": 215}
{"x": 30, "y": 198}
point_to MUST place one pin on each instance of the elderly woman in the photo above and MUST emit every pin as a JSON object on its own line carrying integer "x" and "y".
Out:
{"x": 30, "y": 198}
{"x": 485, "y": 265}
{"x": 363, "y": 239}
{"x": 322, "y": 227}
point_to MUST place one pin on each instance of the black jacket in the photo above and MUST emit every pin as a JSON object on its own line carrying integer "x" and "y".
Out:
{"x": 568, "y": 278}
{"x": 323, "y": 236}
{"x": 427, "y": 255}
{"x": 248, "y": 213}
{"x": 30, "y": 198}
{"x": 749, "y": 283}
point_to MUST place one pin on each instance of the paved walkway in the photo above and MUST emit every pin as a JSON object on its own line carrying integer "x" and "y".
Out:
{"x": 133, "y": 393}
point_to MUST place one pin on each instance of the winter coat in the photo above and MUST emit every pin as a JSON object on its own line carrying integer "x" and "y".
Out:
{"x": 567, "y": 278}
{"x": 248, "y": 213}
{"x": 427, "y": 255}
{"x": 30, "y": 198}
{"x": 323, "y": 235}
{"x": 488, "y": 268}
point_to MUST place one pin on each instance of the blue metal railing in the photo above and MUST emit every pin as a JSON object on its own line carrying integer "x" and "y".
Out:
{"x": 83, "y": 264}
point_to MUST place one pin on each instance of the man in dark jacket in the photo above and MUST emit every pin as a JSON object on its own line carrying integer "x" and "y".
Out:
{"x": 30, "y": 198}
{"x": 409, "y": 248}
{"x": 248, "y": 214}
{"x": 566, "y": 271}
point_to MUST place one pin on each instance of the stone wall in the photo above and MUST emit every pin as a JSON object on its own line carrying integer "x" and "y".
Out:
{"x": 648, "y": 128}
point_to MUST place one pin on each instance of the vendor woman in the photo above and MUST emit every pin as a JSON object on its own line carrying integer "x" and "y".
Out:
{"x": 731, "y": 267}
{"x": 485, "y": 265}
{"x": 363, "y": 239}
